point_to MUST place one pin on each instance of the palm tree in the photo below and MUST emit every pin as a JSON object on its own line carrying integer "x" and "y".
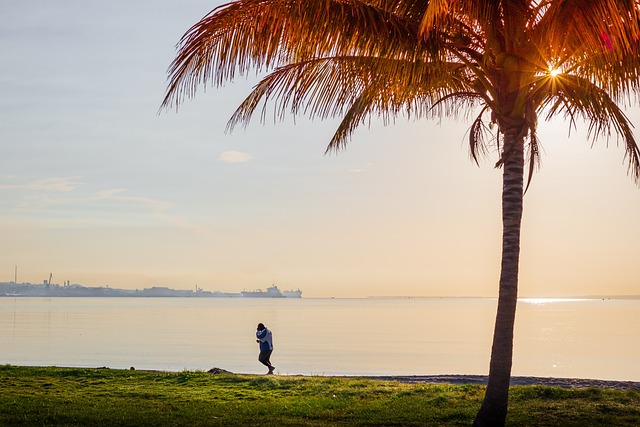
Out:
{"x": 508, "y": 62}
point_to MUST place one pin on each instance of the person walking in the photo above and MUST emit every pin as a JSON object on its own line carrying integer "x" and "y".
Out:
{"x": 265, "y": 339}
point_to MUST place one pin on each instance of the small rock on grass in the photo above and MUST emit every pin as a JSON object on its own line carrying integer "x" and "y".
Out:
{"x": 215, "y": 371}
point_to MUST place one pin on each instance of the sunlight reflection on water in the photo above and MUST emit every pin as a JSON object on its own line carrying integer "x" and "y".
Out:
{"x": 395, "y": 336}
{"x": 550, "y": 300}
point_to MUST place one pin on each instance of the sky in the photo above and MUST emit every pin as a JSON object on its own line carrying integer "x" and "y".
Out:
{"x": 99, "y": 188}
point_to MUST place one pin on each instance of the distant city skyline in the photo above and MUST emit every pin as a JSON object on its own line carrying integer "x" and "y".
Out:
{"x": 50, "y": 289}
{"x": 98, "y": 188}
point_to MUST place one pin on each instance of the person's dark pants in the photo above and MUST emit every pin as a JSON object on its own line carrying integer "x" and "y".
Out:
{"x": 264, "y": 357}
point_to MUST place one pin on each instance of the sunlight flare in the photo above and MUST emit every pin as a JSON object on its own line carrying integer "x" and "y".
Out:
{"x": 553, "y": 72}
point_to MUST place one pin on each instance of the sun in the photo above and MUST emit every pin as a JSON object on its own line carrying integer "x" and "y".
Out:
{"x": 553, "y": 72}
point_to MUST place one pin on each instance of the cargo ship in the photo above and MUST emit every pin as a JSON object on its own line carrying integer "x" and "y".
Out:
{"x": 272, "y": 292}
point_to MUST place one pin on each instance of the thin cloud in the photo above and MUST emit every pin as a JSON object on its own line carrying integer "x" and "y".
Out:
{"x": 360, "y": 169}
{"x": 234, "y": 157}
{"x": 38, "y": 197}
{"x": 53, "y": 184}
{"x": 98, "y": 208}
{"x": 160, "y": 209}
{"x": 116, "y": 194}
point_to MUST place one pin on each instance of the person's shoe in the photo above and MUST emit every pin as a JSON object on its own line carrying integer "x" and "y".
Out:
{"x": 271, "y": 369}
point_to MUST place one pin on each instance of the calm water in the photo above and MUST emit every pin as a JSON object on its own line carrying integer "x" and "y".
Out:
{"x": 562, "y": 338}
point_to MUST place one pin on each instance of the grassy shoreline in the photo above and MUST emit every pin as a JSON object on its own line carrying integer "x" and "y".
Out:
{"x": 83, "y": 396}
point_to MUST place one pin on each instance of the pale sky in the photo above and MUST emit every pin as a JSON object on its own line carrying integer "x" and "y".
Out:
{"x": 98, "y": 189}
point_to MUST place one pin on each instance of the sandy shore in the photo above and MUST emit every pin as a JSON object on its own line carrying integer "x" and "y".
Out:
{"x": 482, "y": 379}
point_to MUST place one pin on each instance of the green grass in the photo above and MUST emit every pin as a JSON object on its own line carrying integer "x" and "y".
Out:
{"x": 32, "y": 396}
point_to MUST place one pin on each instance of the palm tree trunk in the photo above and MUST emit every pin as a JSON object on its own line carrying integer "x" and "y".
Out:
{"x": 493, "y": 411}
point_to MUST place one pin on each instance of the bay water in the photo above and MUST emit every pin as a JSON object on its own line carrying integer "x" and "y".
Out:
{"x": 569, "y": 338}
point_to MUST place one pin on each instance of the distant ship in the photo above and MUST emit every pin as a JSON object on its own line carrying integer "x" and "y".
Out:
{"x": 292, "y": 294}
{"x": 272, "y": 292}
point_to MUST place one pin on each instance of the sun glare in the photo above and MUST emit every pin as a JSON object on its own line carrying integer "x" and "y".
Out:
{"x": 554, "y": 71}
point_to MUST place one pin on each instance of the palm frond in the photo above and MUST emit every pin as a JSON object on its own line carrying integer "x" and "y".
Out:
{"x": 263, "y": 34}
{"x": 478, "y": 146}
{"x": 439, "y": 13}
{"x": 619, "y": 77}
{"x": 533, "y": 153}
{"x": 359, "y": 87}
{"x": 610, "y": 29}
{"x": 575, "y": 96}
{"x": 360, "y": 109}
{"x": 596, "y": 40}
